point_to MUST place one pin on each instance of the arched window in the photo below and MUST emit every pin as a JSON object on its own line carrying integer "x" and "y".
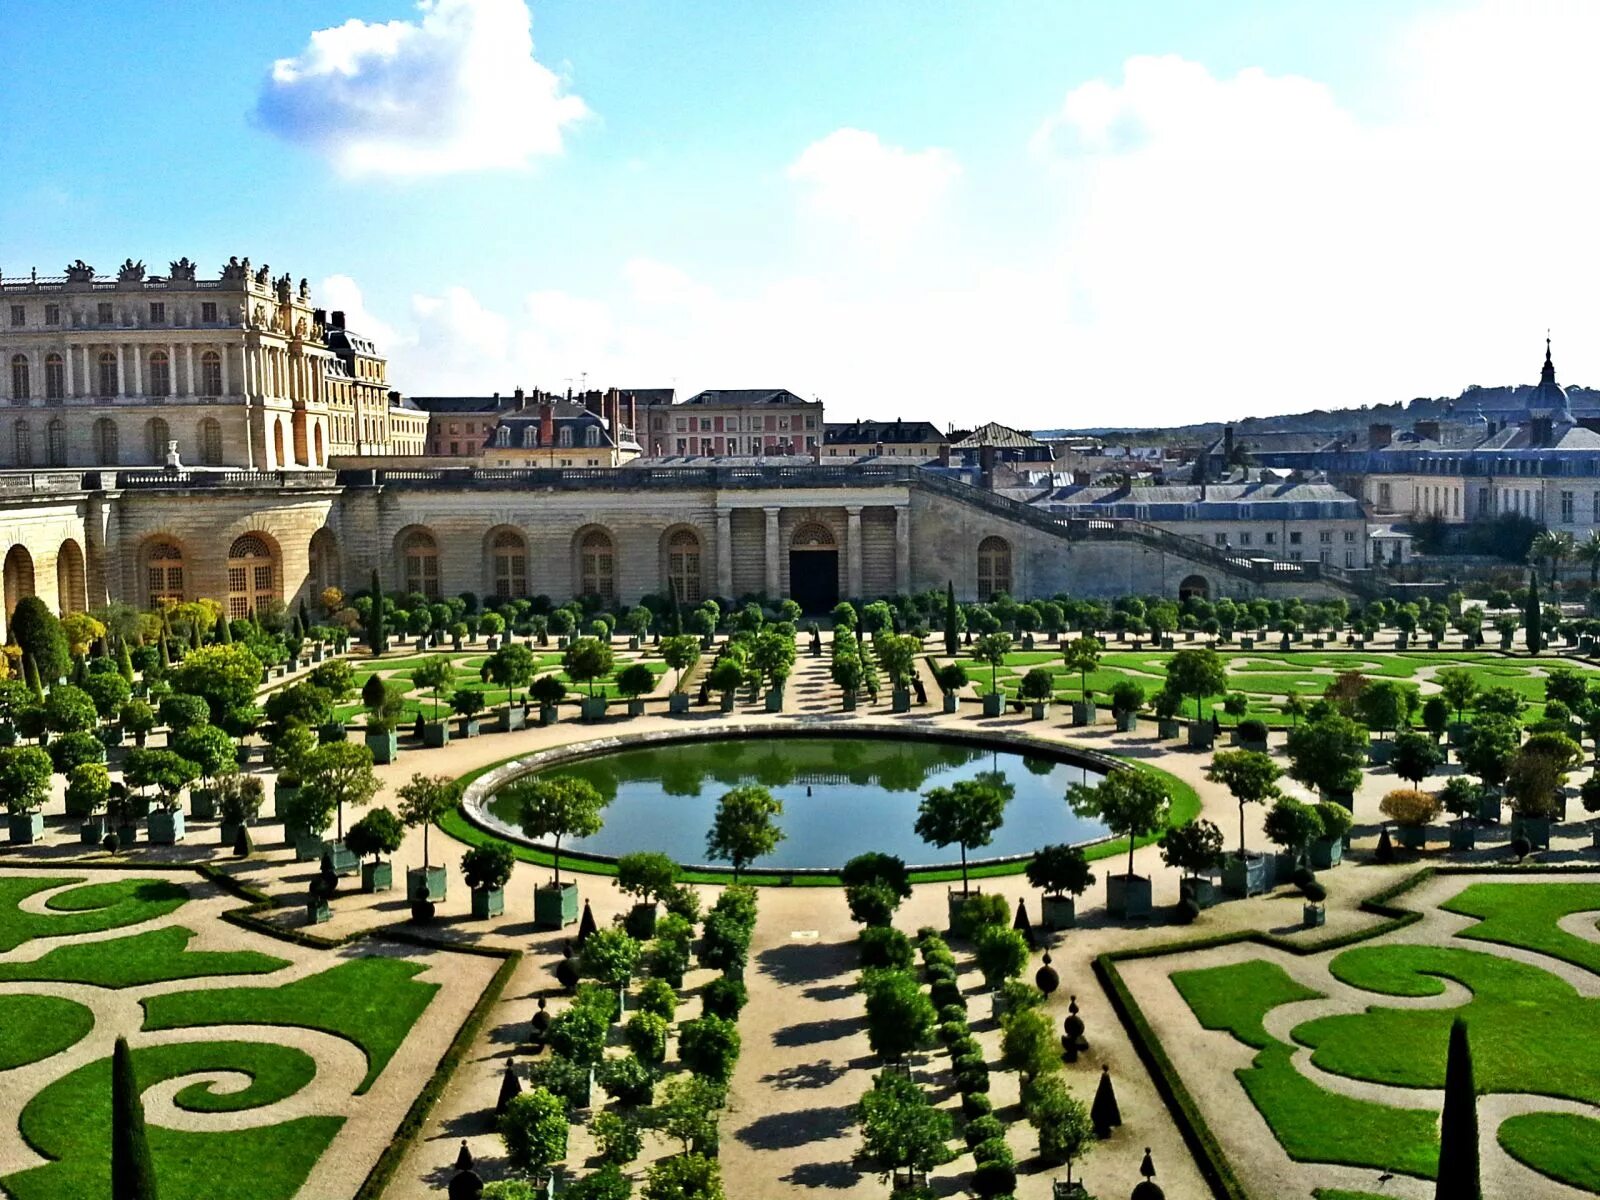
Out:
{"x": 324, "y": 557}
{"x": 597, "y": 566}
{"x": 211, "y": 442}
{"x": 683, "y": 566}
{"x": 502, "y": 436}
{"x": 994, "y": 567}
{"x": 107, "y": 375}
{"x": 591, "y": 436}
{"x": 564, "y": 438}
{"x": 105, "y": 442}
{"x": 71, "y": 593}
{"x": 21, "y": 382}
{"x": 530, "y": 436}
{"x": 56, "y": 442}
{"x": 252, "y": 576}
{"x": 157, "y": 433}
{"x": 211, "y": 373}
{"x": 160, "y": 374}
{"x": 55, "y": 377}
{"x": 419, "y": 555}
{"x": 163, "y": 574}
{"x": 510, "y": 555}
{"x": 22, "y": 442}
{"x": 17, "y": 577}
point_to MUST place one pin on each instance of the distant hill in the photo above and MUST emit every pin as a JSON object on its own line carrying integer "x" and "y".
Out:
{"x": 1495, "y": 403}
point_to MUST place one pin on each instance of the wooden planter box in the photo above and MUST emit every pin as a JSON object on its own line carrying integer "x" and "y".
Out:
{"x": 952, "y": 703}
{"x": 1083, "y": 713}
{"x": 228, "y": 833}
{"x": 1380, "y": 751}
{"x": 1058, "y": 912}
{"x": 308, "y": 846}
{"x": 1199, "y": 889}
{"x": 385, "y": 747}
{"x": 1039, "y": 710}
{"x": 899, "y": 700}
{"x": 1313, "y": 916}
{"x": 317, "y": 911}
{"x": 1247, "y": 876}
{"x": 435, "y": 734}
{"x": 1412, "y": 837}
{"x": 488, "y": 902}
{"x": 511, "y": 718}
{"x": 1201, "y": 735}
{"x": 726, "y": 703}
{"x": 1489, "y": 810}
{"x": 1535, "y": 829}
{"x": 678, "y": 702}
{"x": 1326, "y": 853}
{"x": 203, "y": 804}
{"x": 334, "y": 731}
{"x": 592, "y": 708}
{"x": 1168, "y": 729}
{"x": 166, "y": 826}
{"x": 1129, "y": 897}
{"x": 377, "y": 876}
{"x": 994, "y": 704}
{"x": 344, "y": 860}
{"x": 849, "y": 703}
{"x": 426, "y": 883}
{"x": 24, "y": 829}
{"x": 555, "y": 907}
{"x": 469, "y": 727}
{"x": 1463, "y": 836}
{"x": 775, "y": 701}
{"x": 953, "y": 900}
{"x": 92, "y": 830}
{"x": 635, "y": 707}
{"x": 1128, "y": 722}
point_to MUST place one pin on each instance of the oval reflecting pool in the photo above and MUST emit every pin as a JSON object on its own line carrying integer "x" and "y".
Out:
{"x": 841, "y": 796}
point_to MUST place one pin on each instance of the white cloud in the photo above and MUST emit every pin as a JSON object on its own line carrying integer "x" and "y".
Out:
{"x": 458, "y": 89}
{"x": 340, "y": 293}
{"x": 882, "y": 192}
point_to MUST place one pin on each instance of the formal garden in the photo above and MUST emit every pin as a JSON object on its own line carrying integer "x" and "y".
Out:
{"x": 969, "y": 804}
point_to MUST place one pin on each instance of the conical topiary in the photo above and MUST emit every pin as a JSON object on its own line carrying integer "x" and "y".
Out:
{"x": 1105, "y": 1112}
{"x": 242, "y": 845}
{"x": 133, "y": 1176}
{"x": 1458, "y": 1129}
{"x": 1020, "y": 922}
{"x": 1385, "y": 851}
{"x": 586, "y": 924}
{"x": 510, "y": 1089}
{"x": 1147, "y": 1188}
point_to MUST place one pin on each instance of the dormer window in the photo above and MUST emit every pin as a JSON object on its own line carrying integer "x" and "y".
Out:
{"x": 564, "y": 438}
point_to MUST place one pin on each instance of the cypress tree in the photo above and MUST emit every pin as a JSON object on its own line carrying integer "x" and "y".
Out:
{"x": 30, "y": 673}
{"x": 225, "y": 630}
{"x": 166, "y": 653}
{"x": 377, "y": 635}
{"x": 1532, "y": 616}
{"x": 1458, "y": 1130}
{"x": 132, "y": 1175}
{"x": 305, "y": 617}
{"x": 952, "y": 634}
{"x": 124, "y": 660}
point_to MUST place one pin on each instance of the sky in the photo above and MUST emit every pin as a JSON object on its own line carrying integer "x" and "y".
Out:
{"x": 1046, "y": 212}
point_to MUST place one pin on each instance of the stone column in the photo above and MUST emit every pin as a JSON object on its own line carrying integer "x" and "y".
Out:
{"x": 66, "y": 356}
{"x": 122, "y": 376}
{"x": 174, "y": 384}
{"x": 724, "y": 552}
{"x": 188, "y": 356}
{"x": 902, "y": 549}
{"x": 852, "y": 549}
{"x": 138, "y": 371}
{"x": 772, "y": 551}
{"x": 226, "y": 389}
{"x": 91, "y": 382}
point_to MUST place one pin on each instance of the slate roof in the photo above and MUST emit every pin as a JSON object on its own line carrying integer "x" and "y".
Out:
{"x": 746, "y": 396}
{"x": 995, "y": 434}
{"x": 897, "y": 433}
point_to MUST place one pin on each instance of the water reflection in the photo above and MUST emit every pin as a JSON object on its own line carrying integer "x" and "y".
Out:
{"x": 841, "y": 796}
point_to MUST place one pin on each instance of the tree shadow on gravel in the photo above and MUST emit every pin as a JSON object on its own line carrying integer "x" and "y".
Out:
{"x": 805, "y": 1075}
{"x": 806, "y": 962}
{"x": 824, "y": 1175}
{"x": 811, "y": 1033}
{"x": 788, "y": 1130}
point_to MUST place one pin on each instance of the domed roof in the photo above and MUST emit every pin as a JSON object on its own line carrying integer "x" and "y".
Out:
{"x": 1549, "y": 399}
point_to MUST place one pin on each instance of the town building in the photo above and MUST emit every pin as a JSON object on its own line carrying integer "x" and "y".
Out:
{"x": 739, "y": 422}
{"x": 533, "y": 429}
{"x": 857, "y": 441}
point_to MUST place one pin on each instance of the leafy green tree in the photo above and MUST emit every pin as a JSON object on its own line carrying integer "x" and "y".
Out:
{"x": 680, "y": 652}
{"x": 424, "y": 799}
{"x": 432, "y": 674}
{"x": 1328, "y": 753}
{"x": 745, "y": 827}
{"x": 69, "y": 709}
{"x": 1082, "y": 655}
{"x": 511, "y": 667}
{"x": 685, "y": 1110}
{"x": 635, "y": 680}
{"x": 606, "y": 1183}
{"x": 555, "y": 807}
{"x": 709, "y": 1046}
{"x": 1416, "y": 756}
{"x": 901, "y": 1130}
{"x": 1028, "y": 1044}
{"x": 647, "y": 875}
{"x": 133, "y": 1175}
{"x": 875, "y": 884}
{"x": 1002, "y": 953}
{"x": 684, "y": 1177}
{"x": 164, "y": 770}
{"x": 1292, "y": 824}
{"x": 38, "y": 631}
{"x": 1382, "y": 705}
{"x": 534, "y": 1129}
{"x": 376, "y": 834}
{"x": 900, "y": 1016}
{"x": 1129, "y": 802}
{"x": 24, "y": 778}
{"x": 337, "y": 774}
{"x": 1060, "y": 869}
{"x": 609, "y": 955}
{"x": 1066, "y": 1132}
{"x": 992, "y": 648}
{"x": 1488, "y": 746}
{"x": 587, "y": 660}
{"x": 1198, "y": 673}
{"x": 1250, "y": 776}
{"x": 225, "y": 677}
{"x": 1194, "y": 848}
{"x": 965, "y": 814}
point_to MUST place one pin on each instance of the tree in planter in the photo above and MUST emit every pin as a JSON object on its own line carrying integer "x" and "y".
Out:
{"x": 951, "y": 677}
{"x": 69, "y": 710}
{"x": 423, "y": 801}
{"x": 555, "y": 807}
{"x": 1435, "y": 717}
{"x": 1196, "y": 673}
{"x": 685, "y": 1110}
{"x": 709, "y": 1046}
{"x": 649, "y": 876}
{"x": 635, "y": 680}
{"x": 137, "y": 718}
{"x": 897, "y": 655}
{"x": 1127, "y": 697}
{"x": 1416, "y": 756}
{"x": 108, "y": 691}
{"x": 467, "y": 703}
{"x": 225, "y": 677}
{"x": 611, "y": 956}
{"x": 900, "y": 1017}
{"x": 1002, "y": 953}
{"x": 432, "y": 674}
{"x": 1194, "y": 849}
{"x": 1539, "y": 772}
{"x": 1037, "y": 686}
{"x": 745, "y": 827}
{"x": 875, "y": 884}
{"x": 965, "y": 814}
{"x": 180, "y": 711}
{"x": 511, "y": 667}
{"x": 1461, "y": 797}
{"x": 588, "y": 660}
{"x": 1293, "y": 825}
{"x": 164, "y": 770}
{"x": 1488, "y": 747}
{"x": 901, "y": 1130}
{"x": 1236, "y": 704}
{"x": 684, "y": 1177}
{"x": 337, "y": 774}
{"x": 1060, "y": 870}
{"x": 773, "y": 655}
{"x": 1410, "y": 807}
{"x": 487, "y": 868}
{"x": 1066, "y": 1132}
{"x": 385, "y": 703}
{"x": 726, "y": 676}
{"x": 24, "y": 778}
{"x": 534, "y": 1128}
{"x": 1382, "y": 705}
{"x": 846, "y": 669}
{"x": 88, "y": 788}
{"x": 992, "y": 648}
{"x": 680, "y": 652}
{"x": 1328, "y": 753}
{"x": 209, "y": 748}
{"x": 548, "y": 691}
{"x": 376, "y": 834}
{"x": 1129, "y": 802}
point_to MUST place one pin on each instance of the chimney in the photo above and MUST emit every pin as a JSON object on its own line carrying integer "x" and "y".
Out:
{"x": 944, "y": 454}
{"x": 319, "y": 316}
{"x": 1379, "y": 435}
{"x": 336, "y": 318}
{"x": 633, "y": 416}
{"x": 547, "y": 424}
{"x": 519, "y": 397}
{"x": 1227, "y": 444}
{"x": 591, "y": 401}
{"x": 1543, "y": 431}
{"x": 986, "y": 465}
{"x": 1428, "y": 430}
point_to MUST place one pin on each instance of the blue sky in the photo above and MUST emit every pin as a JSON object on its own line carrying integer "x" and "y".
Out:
{"x": 1023, "y": 210}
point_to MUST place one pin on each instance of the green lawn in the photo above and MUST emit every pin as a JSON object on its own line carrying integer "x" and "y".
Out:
{"x": 1311, "y": 1123}
{"x": 88, "y": 909}
{"x": 32, "y": 1028}
{"x": 152, "y": 957}
{"x": 70, "y": 1123}
{"x": 370, "y": 1001}
{"x": 1523, "y": 916}
{"x": 1564, "y": 1146}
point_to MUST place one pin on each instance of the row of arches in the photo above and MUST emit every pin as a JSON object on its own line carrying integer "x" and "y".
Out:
{"x": 105, "y": 442}
{"x": 17, "y": 578}
{"x": 254, "y": 573}
{"x": 107, "y": 377}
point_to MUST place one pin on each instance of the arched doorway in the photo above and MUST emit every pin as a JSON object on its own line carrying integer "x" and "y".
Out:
{"x": 683, "y": 575}
{"x": 1194, "y": 587}
{"x": 163, "y": 573}
{"x": 323, "y": 572}
{"x": 597, "y": 566}
{"x": 252, "y": 576}
{"x": 508, "y": 564}
{"x": 71, "y": 591}
{"x": 814, "y": 568}
{"x": 18, "y": 578}
{"x": 419, "y": 562}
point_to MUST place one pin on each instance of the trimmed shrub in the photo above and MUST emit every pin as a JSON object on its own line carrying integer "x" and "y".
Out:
{"x": 975, "y": 1105}
{"x": 628, "y": 1080}
{"x": 646, "y": 1034}
{"x": 986, "y": 908}
{"x": 656, "y": 996}
{"x": 993, "y": 1179}
{"x": 981, "y": 1129}
{"x": 994, "y": 1150}
{"x": 709, "y": 1047}
{"x": 951, "y": 1032}
{"x": 724, "y": 998}
{"x": 884, "y": 947}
